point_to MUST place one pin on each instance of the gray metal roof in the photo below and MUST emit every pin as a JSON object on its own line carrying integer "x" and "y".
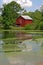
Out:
{"x": 26, "y": 17}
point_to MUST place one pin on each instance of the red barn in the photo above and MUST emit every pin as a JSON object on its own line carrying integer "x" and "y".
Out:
{"x": 23, "y": 20}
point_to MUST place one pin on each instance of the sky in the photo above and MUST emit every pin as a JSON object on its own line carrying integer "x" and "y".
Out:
{"x": 29, "y": 5}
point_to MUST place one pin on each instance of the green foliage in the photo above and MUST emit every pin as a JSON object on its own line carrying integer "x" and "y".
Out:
{"x": 41, "y": 25}
{"x": 10, "y": 14}
{"x": 1, "y": 19}
{"x": 37, "y": 17}
{"x": 29, "y": 27}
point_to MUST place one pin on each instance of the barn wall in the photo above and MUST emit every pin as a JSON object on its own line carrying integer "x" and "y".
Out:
{"x": 28, "y": 21}
{"x": 22, "y": 22}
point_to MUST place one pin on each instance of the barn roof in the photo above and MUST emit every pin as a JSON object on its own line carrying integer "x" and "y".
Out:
{"x": 26, "y": 17}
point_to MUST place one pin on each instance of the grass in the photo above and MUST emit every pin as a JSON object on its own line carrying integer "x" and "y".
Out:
{"x": 17, "y": 28}
{"x": 25, "y": 31}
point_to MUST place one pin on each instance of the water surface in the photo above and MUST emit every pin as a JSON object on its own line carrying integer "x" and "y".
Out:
{"x": 31, "y": 49}
{"x": 3, "y": 58}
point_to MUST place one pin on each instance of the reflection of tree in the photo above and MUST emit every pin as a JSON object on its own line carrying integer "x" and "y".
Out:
{"x": 6, "y": 34}
{"x": 42, "y": 45}
{"x": 9, "y": 34}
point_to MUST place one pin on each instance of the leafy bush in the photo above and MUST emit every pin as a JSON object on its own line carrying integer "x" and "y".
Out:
{"x": 29, "y": 27}
{"x": 41, "y": 25}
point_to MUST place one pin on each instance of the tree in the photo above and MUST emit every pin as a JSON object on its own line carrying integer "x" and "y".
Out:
{"x": 41, "y": 25}
{"x": 41, "y": 8}
{"x": 1, "y": 19}
{"x": 10, "y": 14}
{"x": 37, "y": 17}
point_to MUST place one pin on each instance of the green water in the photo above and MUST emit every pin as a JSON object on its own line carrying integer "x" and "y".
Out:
{"x": 3, "y": 58}
{"x": 30, "y": 50}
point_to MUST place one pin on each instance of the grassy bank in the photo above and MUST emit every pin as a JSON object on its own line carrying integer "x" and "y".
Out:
{"x": 24, "y": 31}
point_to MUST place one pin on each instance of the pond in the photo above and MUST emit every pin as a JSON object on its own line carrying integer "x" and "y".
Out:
{"x": 24, "y": 50}
{"x": 18, "y": 34}
{"x": 3, "y": 58}
{"x": 32, "y": 45}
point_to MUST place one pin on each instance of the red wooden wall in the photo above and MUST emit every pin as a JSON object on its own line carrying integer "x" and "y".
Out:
{"x": 22, "y": 22}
